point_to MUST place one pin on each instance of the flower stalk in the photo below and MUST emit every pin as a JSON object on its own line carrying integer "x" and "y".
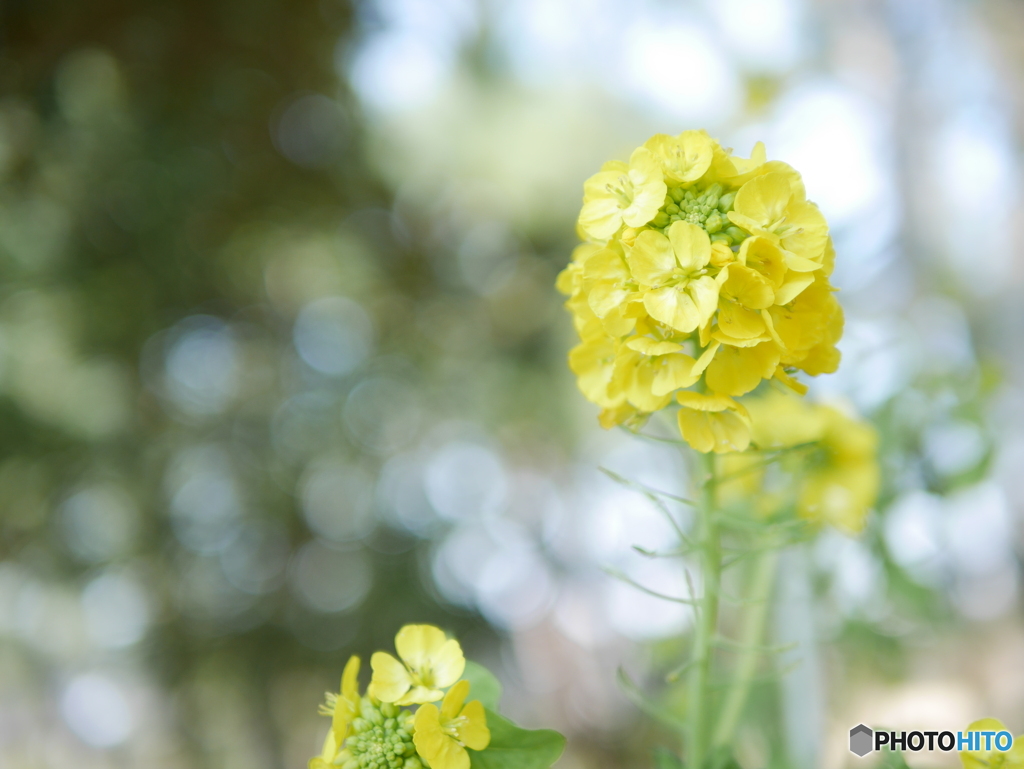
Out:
{"x": 752, "y": 633}
{"x": 698, "y": 705}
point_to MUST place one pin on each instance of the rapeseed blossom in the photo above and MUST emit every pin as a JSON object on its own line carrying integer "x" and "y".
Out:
{"x": 443, "y": 734}
{"x": 703, "y": 274}
{"x": 833, "y": 462}
{"x": 377, "y": 731}
{"x": 429, "y": 663}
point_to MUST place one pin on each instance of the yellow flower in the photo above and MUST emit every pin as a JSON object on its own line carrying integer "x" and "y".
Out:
{"x": 429, "y": 663}
{"x": 839, "y": 478}
{"x": 622, "y": 193}
{"x": 442, "y": 735}
{"x": 713, "y": 422}
{"x": 684, "y": 158}
{"x": 743, "y": 295}
{"x": 738, "y": 368}
{"x": 344, "y": 706}
{"x": 593, "y": 363}
{"x": 698, "y": 254}
{"x": 808, "y": 328}
{"x": 993, "y": 759}
{"x": 774, "y": 206}
{"x": 677, "y": 289}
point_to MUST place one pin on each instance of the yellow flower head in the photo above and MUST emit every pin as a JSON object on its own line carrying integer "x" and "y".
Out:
{"x": 993, "y": 759}
{"x": 622, "y": 193}
{"x": 713, "y": 422}
{"x": 443, "y": 734}
{"x": 838, "y": 474}
{"x": 706, "y": 274}
{"x": 344, "y": 706}
{"x": 429, "y": 663}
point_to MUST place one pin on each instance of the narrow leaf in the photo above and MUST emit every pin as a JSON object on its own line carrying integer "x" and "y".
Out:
{"x": 638, "y": 698}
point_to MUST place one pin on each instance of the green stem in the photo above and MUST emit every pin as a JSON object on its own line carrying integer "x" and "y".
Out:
{"x": 762, "y": 579}
{"x": 698, "y": 706}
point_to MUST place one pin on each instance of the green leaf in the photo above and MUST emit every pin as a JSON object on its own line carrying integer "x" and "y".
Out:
{"x": 515, "y": 748}
{"x": 483, "y": 685}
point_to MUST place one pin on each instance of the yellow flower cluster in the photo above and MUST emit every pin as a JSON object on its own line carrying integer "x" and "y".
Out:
{"x": 987, "y": 758}
{"x": 702, "y": 274}
{"x": 834, "y": 467}
{"x": 377, "y": 732}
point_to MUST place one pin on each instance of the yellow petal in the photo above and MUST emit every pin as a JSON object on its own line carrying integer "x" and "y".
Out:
{"x": 712, "y": 422}
{"x": 673, "y": 307}
{"x": 417, "y": 695}
{"x": 762, "y": 254}
{"x": 705, "y": 358}
{"x": 451, "y": 756}
{"x": 390, "y": 678}
{"x": 704, "y": 293}
{"x": 329, "y": 750}
{"x": 350, "y": 679}
{"x": 800, "y": 263}
{"x": 454, "y": 700}
{"x": 748, "y": 287}
{"x": 649, "y": 346}
{"x": 428, "y": 737}
{"x": 649, "y": 188}
{"x": 417, "y": 644}
{"x": 600, "y": 218}
{"x": 738, "y": 370}
{"x": 448, "y": 663}
{"x": 651, "y": 261}
{"x": 763, "y": 199}
{"x": 474, "y": 732}
{"x": 740, "y": 323}
{"x": 691, "y": 245}
{"x": 673, "y": 373}
{"x": 793, "y": 286}
{"x": 684, "y": 158}
{"x": 793, "y": 384}
{"x": 605, "y": 296}
{"x": 805, "y": 232}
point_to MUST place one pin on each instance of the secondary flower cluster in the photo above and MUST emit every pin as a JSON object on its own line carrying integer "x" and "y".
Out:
{"x": 702, "y": 274}
{"x": 829, "y": 463}
{"x": 379, "y": 731}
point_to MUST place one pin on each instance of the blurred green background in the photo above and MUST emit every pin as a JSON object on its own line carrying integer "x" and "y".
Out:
{"x": 282, "y": 366}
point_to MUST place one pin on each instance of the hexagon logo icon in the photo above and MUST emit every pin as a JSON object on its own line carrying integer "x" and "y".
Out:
{"x": 861, "y": 739}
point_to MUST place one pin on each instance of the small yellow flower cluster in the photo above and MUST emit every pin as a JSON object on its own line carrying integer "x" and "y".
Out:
{"x": 993, "y": 759}
{"x": 377, "y": 732}
{"x": 833, "y": 465}
{"x": 702, "y": 274}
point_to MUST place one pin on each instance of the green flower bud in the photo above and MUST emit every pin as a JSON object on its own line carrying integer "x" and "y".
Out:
{"x": 714, "y": 223}
{"x": 672, "y": 208}
{"x": 736, "y": 234}
{"x": 676, "y": 193}
{"x": 725, "y": 202}
{"x": 660, "y": 219}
